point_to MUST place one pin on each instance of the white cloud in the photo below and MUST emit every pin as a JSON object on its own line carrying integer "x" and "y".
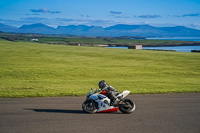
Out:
{"x": 43, "y": 10}
{"x": 115, "y": 12}
{"x": 149, "y": 16}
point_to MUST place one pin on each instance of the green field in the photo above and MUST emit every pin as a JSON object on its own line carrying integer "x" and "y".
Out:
{"x": 36, "y": 70}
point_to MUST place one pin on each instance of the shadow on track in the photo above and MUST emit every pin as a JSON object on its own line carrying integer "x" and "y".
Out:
{"x": 66, "y": 111}
{"x": 57, "y": 111}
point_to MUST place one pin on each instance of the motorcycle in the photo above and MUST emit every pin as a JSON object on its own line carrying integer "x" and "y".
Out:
{"x": 99, "y": 102}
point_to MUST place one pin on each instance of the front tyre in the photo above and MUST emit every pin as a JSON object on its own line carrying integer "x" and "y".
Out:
{"x": 127, "y": 107}
{"x": 89, "y": 106}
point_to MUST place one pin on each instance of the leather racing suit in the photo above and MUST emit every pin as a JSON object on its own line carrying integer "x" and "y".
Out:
{"x": 111, "y": 92}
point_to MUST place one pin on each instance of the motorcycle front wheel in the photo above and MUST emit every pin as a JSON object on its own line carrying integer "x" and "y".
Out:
{"x": 89, "y": 106}
{"x": 127, "y": 107}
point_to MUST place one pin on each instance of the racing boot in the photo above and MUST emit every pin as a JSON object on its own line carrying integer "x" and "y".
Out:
{"x": 114, "y": 102}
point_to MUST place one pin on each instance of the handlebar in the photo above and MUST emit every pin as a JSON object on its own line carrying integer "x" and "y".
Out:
{"x": 97, "y": 90}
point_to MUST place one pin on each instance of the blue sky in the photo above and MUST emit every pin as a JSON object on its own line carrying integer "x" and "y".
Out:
{"x": 103, "y": 13}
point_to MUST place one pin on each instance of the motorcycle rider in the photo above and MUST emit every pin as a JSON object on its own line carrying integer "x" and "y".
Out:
{"x": 111, "y": 92}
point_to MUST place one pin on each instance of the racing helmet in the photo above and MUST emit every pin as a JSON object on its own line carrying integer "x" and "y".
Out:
{"x": 102, "y": 84}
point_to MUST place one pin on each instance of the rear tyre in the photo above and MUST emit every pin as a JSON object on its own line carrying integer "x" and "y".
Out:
{"x": 89, "y": 107}
{"x": 128, "y": 106}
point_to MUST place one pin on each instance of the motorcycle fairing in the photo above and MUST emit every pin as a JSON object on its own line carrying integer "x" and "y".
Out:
{"x": 114, "y": 109}
{"x": 124, "y": 94}
{"x": 103, "y": 103}
{"x": 105, "y": 107}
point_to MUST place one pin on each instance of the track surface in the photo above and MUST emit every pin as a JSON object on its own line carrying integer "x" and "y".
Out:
{"x": 163, "y": 113}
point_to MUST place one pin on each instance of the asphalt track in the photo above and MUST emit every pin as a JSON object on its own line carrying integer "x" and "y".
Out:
{"x": 163, "y": 113}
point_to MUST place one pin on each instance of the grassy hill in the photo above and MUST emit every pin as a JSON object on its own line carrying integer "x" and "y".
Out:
{"x": 36, "y": 70}
{"x": 93, "y": 41}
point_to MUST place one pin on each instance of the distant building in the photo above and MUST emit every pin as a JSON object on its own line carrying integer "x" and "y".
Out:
{"x": 34, "y": 40}
{"x": 135, "y": 47}
{"x": 102, "y": 45}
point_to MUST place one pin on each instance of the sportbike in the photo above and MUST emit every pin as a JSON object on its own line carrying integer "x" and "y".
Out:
{"x": 99, "y": 102}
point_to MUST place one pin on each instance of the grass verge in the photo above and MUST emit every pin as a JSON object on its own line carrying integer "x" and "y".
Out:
{"x": 41, "y": 70}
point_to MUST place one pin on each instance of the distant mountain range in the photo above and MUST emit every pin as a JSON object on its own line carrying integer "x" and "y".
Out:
{"x": 116, "y": 30}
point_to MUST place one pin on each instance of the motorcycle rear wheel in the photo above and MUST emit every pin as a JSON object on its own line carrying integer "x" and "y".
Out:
{"x": 89, "y": 107}
{"x": 128, "y": 106}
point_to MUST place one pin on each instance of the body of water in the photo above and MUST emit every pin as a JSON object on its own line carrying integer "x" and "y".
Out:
{"x": 177, "y": 38}
{"x": 177, "y": 48}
